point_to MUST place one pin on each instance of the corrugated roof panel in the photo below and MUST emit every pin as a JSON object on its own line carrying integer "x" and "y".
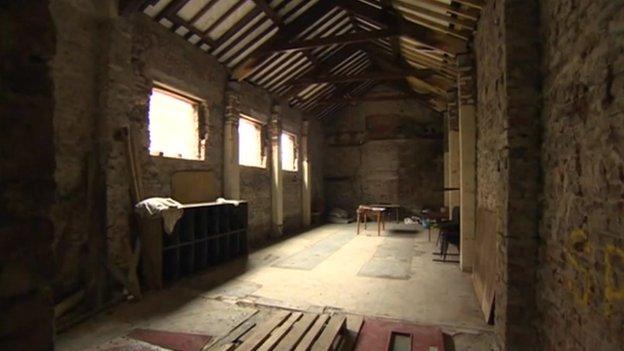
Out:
{"x": 232, "y": 19}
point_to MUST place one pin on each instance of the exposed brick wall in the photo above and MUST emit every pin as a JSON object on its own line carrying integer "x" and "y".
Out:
{"x": 581, "y": 290}
{"x": 384, "y": 152}
{"x": 508, "y": 158}
{"x": 105, "y": 69}
{"x": 27, "y": 186}
{"x": 74, "y": 72}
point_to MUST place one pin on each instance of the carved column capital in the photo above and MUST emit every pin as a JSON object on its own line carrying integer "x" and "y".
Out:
{"x": 275, "y": 124}
{"x": 232, "y": 108}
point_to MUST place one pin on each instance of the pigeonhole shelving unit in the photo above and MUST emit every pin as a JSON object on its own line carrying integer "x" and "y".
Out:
{"x": 207, "y": 234}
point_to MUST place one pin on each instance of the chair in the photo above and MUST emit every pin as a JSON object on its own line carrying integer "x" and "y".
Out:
{"x": 449, "y": 234}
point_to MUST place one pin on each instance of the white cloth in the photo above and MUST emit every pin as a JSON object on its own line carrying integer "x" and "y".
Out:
{"x": 159, "y": 207}
{"x": 224, "y": 201}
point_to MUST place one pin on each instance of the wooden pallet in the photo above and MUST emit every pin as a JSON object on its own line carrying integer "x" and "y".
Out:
{"x": 286, "y": 331}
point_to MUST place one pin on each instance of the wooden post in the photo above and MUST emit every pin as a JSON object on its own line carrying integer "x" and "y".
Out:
{"x": 231, "y": 172}
{"x": 306, "y": 190}
{"x": 277, "y": 200}
{"x": 467, "y": 141}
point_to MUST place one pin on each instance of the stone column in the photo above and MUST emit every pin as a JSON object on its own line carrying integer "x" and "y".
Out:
{"x": 231, "y": 171}
{"x": 467, "y": 155}
{"x": 306, "y": 190}
{"x": 453, "y": 157}
{"x": 277, "y": 190}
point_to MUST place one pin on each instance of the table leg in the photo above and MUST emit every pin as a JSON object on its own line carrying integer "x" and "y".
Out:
{"x": 378, "y": 223}
{"x": 358, "y": 223}
{"x": 365, "y": 219}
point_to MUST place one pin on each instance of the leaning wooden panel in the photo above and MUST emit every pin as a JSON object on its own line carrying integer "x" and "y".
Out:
{"x": 327, "y": 340}
{"x": 484, "y": 272}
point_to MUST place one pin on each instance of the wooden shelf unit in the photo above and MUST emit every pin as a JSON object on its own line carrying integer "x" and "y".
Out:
{"x": 206, "y": 235}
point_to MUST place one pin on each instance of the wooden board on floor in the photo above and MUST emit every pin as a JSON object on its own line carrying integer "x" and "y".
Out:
{"x": 377, "y": 335}
{"x": 287, "y": 331}
{"x": 484, "y": 271}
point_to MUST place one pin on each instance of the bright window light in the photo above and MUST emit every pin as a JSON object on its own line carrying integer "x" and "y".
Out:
{"x": 289, "y": 152}
{"x": 250, "y": 144}
{"x": 174, "y": 126}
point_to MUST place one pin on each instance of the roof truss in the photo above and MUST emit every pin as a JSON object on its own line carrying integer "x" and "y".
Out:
{"x": 323, "y": 54}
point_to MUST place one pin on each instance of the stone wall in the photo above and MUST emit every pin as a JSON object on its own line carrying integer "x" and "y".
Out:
{"x": 74, "y": 73}
{"x": 105, "y": 69}
{"x": 508, "y": 158}
{"x": 581, "y": 290}
{"x": 27, "y": 186}
{"x": 384, "y": 152}
{"x": 492, "y": 151}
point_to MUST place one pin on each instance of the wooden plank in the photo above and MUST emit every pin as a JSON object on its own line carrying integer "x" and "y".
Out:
{"x": 311, "y": 335}
{"x": 279, "y": 333}
{"x": 287, "y": 33}
{"x": 327, "y": 339}
{"x": 344, "y": 100}
{"x": 484, "y": 273}
{"x": 477, "y": 4}
{"x": 415, "y": 31}
{"x": 354, "y": 325}
{"x": 296, "y": 333}
{"x": 471, "y": 14}
{"x": 268, "y": 10}
{"x": 262, "y": 332}
{"x": 240, "y": 330}
{"x": 385, "y": 75}
{"x": 327, "y": 41}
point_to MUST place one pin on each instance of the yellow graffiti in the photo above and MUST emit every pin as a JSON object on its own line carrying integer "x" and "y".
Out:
{"x": 613, "y": 289}
{"x": 579, "y": 242}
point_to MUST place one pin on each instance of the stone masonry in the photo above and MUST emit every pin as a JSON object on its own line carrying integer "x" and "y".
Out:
{"x": 581, "y": 274}
{"x": 508, "y": 158}
{"x": 384, "y": 152}
{"x": 105, "y": 69}
{"x": 27, "y": 187}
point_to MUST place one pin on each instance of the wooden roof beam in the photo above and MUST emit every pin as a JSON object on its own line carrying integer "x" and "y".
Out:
{"x": 268, "y": 10}
{"x": 419, "y": 33}
{"x": 374, "y": 76}
{"x": 348, "y": 38}
{"x": 384, "y": 97}
{"x": 287, "y": 33}
{"x": 477, "y": 4}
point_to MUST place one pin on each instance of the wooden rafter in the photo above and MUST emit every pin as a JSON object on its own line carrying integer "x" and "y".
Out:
{"x": 373, "y": 76}
{"x": 290, "y": 31}
{"x": 385, "y": 97}
{"x": 417, "y": 32}
{"x": 268, "y": 10}
{"x": 349, "y": 38}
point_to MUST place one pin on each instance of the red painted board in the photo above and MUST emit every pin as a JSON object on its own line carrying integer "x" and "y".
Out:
{"x": 171, "y": 340}
{"x": 375, "y": 335}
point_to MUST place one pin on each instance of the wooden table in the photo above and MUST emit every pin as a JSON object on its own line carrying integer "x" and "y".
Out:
{"x": 395, "y": 207}
{"x": 362, "y": 214}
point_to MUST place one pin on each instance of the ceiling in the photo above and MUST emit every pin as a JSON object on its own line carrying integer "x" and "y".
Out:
{"x": 322, "y": 55}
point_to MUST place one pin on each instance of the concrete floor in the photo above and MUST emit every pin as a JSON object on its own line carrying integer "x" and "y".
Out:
{"x": 328, "y": 269}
